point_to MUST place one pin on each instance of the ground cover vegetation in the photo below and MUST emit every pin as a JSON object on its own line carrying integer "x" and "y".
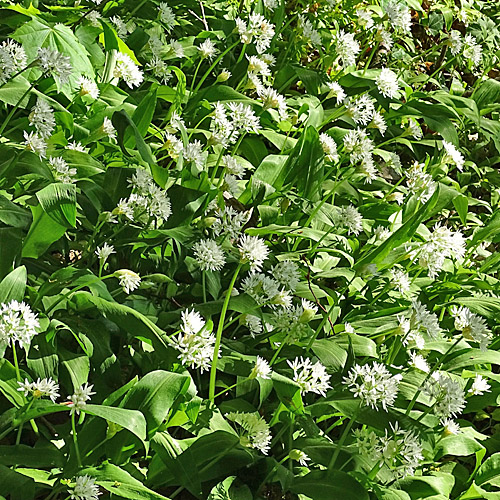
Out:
{"x": 249, "y": 250}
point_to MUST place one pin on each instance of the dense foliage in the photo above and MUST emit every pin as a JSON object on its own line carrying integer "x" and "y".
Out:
{"x": 249, "y": 249}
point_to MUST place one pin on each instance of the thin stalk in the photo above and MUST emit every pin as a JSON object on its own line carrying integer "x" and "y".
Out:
{"x": 220, "y": 328}
{"x": 15, "y": 108}
{"x": 343, "y": 437}
{"x": 203, "y": 284}
{"x": 16, "y": 363}
{"x": 75, "y": 440}
{"x": 195, "y": 75}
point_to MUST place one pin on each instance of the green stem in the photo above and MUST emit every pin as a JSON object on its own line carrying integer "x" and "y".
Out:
{"x": 195, "y": 75}
{"x": 205, "y": 76}
{"x": 220, "y": 328}
{"x": 16, "y": 363}
{"x": 343, "y": 437}
{"x": 75, "y": 440}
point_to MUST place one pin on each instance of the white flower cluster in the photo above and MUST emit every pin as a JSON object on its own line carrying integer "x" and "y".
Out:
{"x": 375, "y": 385}
{"x": 45, "y": 387}
{"x": 472, "y": 326}
{"x": 127, "y": 70}
{"x": 421, "y": 322}
{"x": 229, "y": 222}
{"x": 42, "y": 118}
{"x": 18, "y": 323}
{"x": 257, "y": 28}
{"x": 148, "y": 203}
{"x": 61, "y": 171}
{"x": 129, "y": 280}
{"x": 85, "y": 489}
{"x": 351, "y": 219}
{"x": 56, "y": 64}
{"x": 309, "y": 32}
{"x": 256, "y": 430}
{"x": 230, "y": 121}
{"x": 196, "y": 342}
{"x": 443, "y": 243}
{"x": 209, "y": 255}
{"x": 12, "y": 60}
{"x": 78, "y": 401}
{"x": 447, "y": 395}
{"x": 387, "y": 83}
{"x": 399, "y": 15}
{"x": 261, "y": 369}
{"x": 253, "y": 250}
{"x": 398, "y": 453}
{"x": 311, "y": 377}
{"x": 420, "y": 183}
{"x": 347, "y": 48}
{"x": 453, "y": 155}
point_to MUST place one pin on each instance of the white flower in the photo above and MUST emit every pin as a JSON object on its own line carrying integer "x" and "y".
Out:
{"x": 254, "y": 324}
{"x": 224, "y": 75}
{"x": 230, "y": 222}
{"x": 309, "y": 309}
{"x": 453, "y": 155}
{"x": 365, "y": 18}
{"x": 160, "y": 69}
{"x": 104, "y": 252}
{"x": 209, "y": 255}
{"x": 424, "y": 320}
{"x": 358, "y": 144}
{"x": 94, "y": 18}
{"x": 347, "y": 48}
{"x": 399, "y": 15}
{"x": 53, "y": 62}
{"x": 196, "y": 342}
{"x": 329, "y": 147}
{"x": 270, "y": 4}
{"x": 261, "y": 369}
{"x": 300, "y": 456}
{"x": 351, "y": 219}
{"x": 257, "y": 433}
{"x": 361, "y": 109}
{"x": 472, "y": 326}
{"x": 86, "y": 86}
{"x": 448, "y": 395}
{"x": 271, "y": 99}
{"x": 18, "y": 323}
{"x": 120, "y": 26}
{"x": 450, "y": 426}
{"x": 176, "y": 48}
{"x": 479, "y": 386}
{"x": 61, "y": 170}
{"x": 12, "y": 59}
{"x": 375, "y": 385}
{"x": 253, "y": 250}
{"x": 129, "y": 280}
{"x": 76, "y": 146}
{"x": 418, "y": 362}
{"x": 42, "y": 387}
{"x": 472, "y": 51}
{"x": 208, "y": 50}
{"x": 420, "y": 183}
{"x": 84, "y": 489}
{"x": 194, "y": 152}
{"x": 167, "y": 16}
{"x": 335, "y": 90}
{"x": 456, "y": 42}
{"x": 400, "y": 280}
{"x": 234, "y": 166}
{"x": 381, "y": 233}
{"x": 258, "y": 28}
{"x": 243, "y": 117}
{"x": 108, "y": 128}
{"x": 387, "y": 83}
{"x": 263, "y": 289}
{"x": 311, "y": 377}
{"x": 78, "y": 401}
{"x": 287, "y": 274}
{"x": 127, "y": 70}
{"x": 35, "y": 143}
{"x": 308, "y": 31}
{"x": 442, "y": 243}
{"x": 258, "y": 66}
{"x": 42, "y": 118}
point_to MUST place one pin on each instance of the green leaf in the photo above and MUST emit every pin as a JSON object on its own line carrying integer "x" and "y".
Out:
{"x": 121, "y": 483}
{"x": 143, "y": 114}
{"x": 461, "y": 203}
{"x": 288, "y": 392}
{"x": 155, "y": 394}
{"x": 13, "y": 285}
{"x": 457, "y": 445}
{"x": 59, "y": 202}
{"x": 12, "y": 214}
{"x": 46, "y": 456}
{"x": 325, "y": 485}
{"x": 230, "y": 489}
{"x": 132, "y": 420}
{"x": 15, "y": 485}
{"x": 489, "y": 472}
{"x": 122, "y": 121}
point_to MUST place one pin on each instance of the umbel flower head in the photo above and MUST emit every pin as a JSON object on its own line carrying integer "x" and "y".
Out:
{"x": 375, "y": 385}
{"x": 41, "y": 388}
{"x": 18, "y": 323}
{"x": 129, "y": 280}
{"x": 78, "y": 401}
{"x": 196, "y": 342}
{"x": 56, "y": 64}
{"x": 254, "y": 251}
{"x": 447, "y": 395}
{"x": 209, "y": 255}
{"x": 472, "y": 326}
{"x": 84, "y": 489}
{"x": 311, "y": 377}
{"x": 256, "y": 430}
{"x": 261, "y": 369}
